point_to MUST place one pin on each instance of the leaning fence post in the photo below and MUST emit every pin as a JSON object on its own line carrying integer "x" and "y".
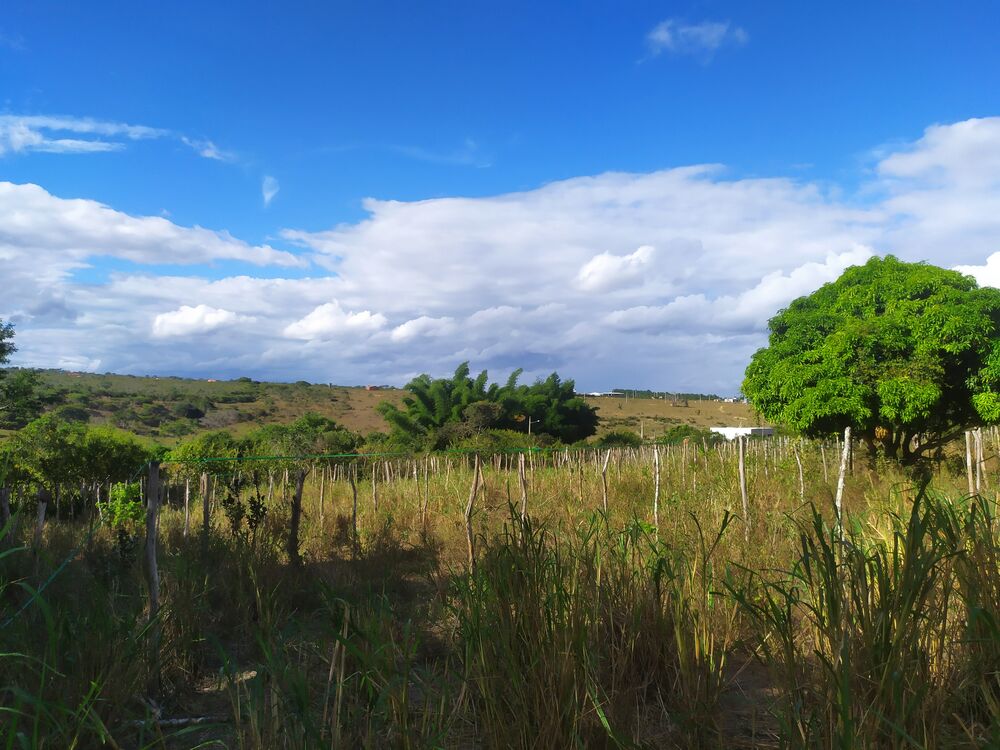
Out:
{"x": 153, "y": 573}
{"x": 604, "y": 480}
{"x": 470, "y": 539}
{"x": 802, "y": 481}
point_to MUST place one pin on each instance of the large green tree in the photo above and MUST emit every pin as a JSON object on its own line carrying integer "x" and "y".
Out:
{"x": 906, "y": 354}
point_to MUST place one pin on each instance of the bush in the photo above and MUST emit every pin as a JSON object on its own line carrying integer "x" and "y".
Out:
{"x": 679, "y": 433}
{"x": 619, "y": 439}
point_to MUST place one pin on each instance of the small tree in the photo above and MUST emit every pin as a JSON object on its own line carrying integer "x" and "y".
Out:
{"x": 6, "y": 342}
{"x": 19, "y": 400}
{"x": 906, "y": 354}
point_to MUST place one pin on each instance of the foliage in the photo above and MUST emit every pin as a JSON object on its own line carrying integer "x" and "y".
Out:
{"x": 619, "y": 439}
{"x": 6, "y": 342}
{"x": 440, "y": 412}
{"x": 892, "y": 349}
{"x": 50, "y": 451}
{"x": 501, "y": 441}
{"x": 20, "y": 398}
{"x": 681, "y": 432}
{"x": 124, "y": 507}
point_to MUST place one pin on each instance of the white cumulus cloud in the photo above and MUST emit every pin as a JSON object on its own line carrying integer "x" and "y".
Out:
{"x": 663, "y": 279}
{"x": 187, "y": 321}
{"x": 329, "y": 320}
{"x": 607, "y": 271}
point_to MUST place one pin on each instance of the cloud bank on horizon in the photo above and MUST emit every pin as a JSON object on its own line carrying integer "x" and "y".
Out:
{"x": 663, "y": 279}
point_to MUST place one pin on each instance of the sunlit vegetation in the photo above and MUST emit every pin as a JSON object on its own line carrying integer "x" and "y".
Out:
{"x": 573, "y": 627}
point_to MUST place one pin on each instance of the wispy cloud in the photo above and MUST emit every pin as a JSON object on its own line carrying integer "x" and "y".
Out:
{"x": 207, "y": 149}
{"x": 469, "y": 154}
{"x": 25, "y": 133}
{"x": 62, "y": 134}
{"x": 269, "y": 188}
{"x": 701, "y": 40}
{"x": 13, "y": 42}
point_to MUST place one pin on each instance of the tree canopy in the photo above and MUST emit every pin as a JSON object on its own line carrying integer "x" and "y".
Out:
{"x": 906, "y": 354}
{"x": 50, "y": 451}
{"x": 438, "y": 412}
{"x": 19, "y": 400}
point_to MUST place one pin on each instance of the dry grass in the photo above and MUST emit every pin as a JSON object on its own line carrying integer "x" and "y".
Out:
{"x": 577, "y": 629}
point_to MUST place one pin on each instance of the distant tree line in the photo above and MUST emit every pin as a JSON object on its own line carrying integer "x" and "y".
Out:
{"x": 641, "y": 393}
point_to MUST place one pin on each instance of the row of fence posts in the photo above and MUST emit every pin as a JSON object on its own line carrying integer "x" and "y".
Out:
{"x": 525, "y": 463}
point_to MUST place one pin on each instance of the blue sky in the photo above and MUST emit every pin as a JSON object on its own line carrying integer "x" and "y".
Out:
{"x": 489, "y": 136}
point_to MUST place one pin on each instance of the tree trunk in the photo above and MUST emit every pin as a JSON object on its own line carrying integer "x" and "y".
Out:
{"x": 42, "y": 502}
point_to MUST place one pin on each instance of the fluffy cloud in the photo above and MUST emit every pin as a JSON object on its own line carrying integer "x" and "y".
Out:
{"x": 188, "y": 321}
{"x": 663, "y": 280}
{"x": 53, "y": 235}
{"x": 330, "y": 320}
{"x": 698, "y": 39}
{"x": 606, "y": 271}
{"x": 746, "y": 312}
{"x": 422, "y": 327}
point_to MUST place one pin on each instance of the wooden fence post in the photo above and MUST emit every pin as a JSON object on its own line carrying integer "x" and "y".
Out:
{"x": 839, "y": 500}
{"x": 426, "y": 498}
{"x": 744, "y": 494}
{"x": 42, "y": 498}
{"x": 187, "y": 507}
{"x": 524, "y": 485}
{"x": 802, "y": 481}
{"x": 469, "y": 537}
{"x": 153, "y": 574}
{"x": 322, "y": 494}
{"x": 656, "y": 489}
{"x": 353, "y": 476}
{"x": 205, "y": 512}
{"x": 968, "y": 462}
{"x": 604, "y": 479}
{"x": 293, "y": 527}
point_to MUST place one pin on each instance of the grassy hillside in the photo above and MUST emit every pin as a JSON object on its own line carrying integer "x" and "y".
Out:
{"x": 170, "y": 409}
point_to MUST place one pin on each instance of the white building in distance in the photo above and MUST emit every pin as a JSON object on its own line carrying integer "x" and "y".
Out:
{"x": 731, "y": 433}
